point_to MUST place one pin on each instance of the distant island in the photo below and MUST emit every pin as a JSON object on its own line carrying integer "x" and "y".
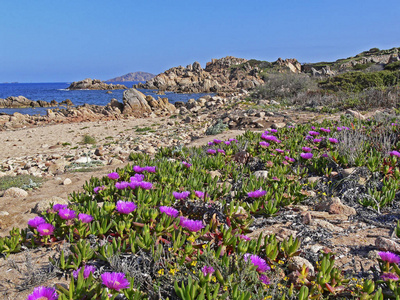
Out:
{"x": 134, "y": 76}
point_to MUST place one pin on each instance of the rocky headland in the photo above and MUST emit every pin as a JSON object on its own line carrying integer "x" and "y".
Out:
{"x": 133, "y": 76}
{"x": 23, "y": 102}
{"x": 95, "y": 84}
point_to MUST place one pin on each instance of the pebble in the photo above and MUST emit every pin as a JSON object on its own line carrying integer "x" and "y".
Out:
{"x": 67, "y": 181}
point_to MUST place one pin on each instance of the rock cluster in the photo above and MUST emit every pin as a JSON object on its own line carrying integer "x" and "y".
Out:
{"x": 95, "y": 84}
{"x": 22, "y": 102}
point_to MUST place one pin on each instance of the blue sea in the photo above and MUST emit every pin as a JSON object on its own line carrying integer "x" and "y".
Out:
{"x": 58, "y": 91}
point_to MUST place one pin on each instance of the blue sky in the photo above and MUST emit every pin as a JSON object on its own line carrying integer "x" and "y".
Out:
{"x": 53, "y": 41}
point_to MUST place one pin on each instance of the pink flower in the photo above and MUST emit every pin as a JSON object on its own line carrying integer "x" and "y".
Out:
{"x": 327, "y": 130}
{"x": 150, "y": 169}
{"x": 394, "y": 153}
{"x": 145, "y": 185}
{"x": 313, "y": 133}
{"x": 306, "y": 149}
{"x": 264, "y": 279}
{"x": 317, "y": 140}
{"x": 199, "y": 194}
{"x": 256, "y": 194}
{"x": 113, "y": 175}
{"x": 261, "y": 264}
{"x": 207, "y": 270}
{"x": 86, "y": 271}
{"x": 389, "y": 257}
{"x": 182, "y": 195}
{"x": 35, "y": 222}
{"x": 169, "y": 211}
{"x": 186, "y": 164}
{"x": 264, "y": 144}
{"x": 125, "y": 207}
{"x": 95, "y": 190}
{"x": 191, "y": 225}
{"x": 45, "y": 229}
{"x": 211, "y": 151}
{"x": 244, "y": 237}
{"x": 121, "y": 185}
{"x": 333, "y": 141}
{"x": 306, "y": 155}
{"x": 389, "y": 276}
{"x": 43, "y": 293}
{"x": 84, "y": 218}
{"x": 137, "y": 177}
{"x": 279, "y": 151}
{"x": 221, "y": 151}
{"x": 217, "y": 141}
{"x": 270, "y": 138}
{"x": 115, "y": 281}
{"x": 67, "y": 214}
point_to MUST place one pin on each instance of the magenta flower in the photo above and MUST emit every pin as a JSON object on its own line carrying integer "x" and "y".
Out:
{"x": 290, "y": 159}
{"x": 186, "y": 164}
{"x": 43, "y": 293}
{"x": 199, "y": 194}
{"x": 217, "y": 141}
{"x": 145, "y": 185}
{"x": 221, "y": 151}
{"x": 317, "y": 140}
{"x": 261, "y": 264}
{"x": 264, "y": 144}
{"x": 182, "y": 195}
{"x": 274, "y": 130}
{"x": 306, "y": 149}
{"x": 309, "y": 137}
{"x": 113, "y": 175}
{"x": 57, "y": 207}
{"x": 169, "y": 211}
{"x": 207, "y": 270}
{"x": 134, "y": 184}
{"x": 270, "y": 138}
{"x": 279, "y": 150}
{"x": 306, "y": 155}
{"x": 45, "y": 229}
{"x": 244, "y": 237}
{"x": 96, "y": 190}
{"x": 389, "y": 257}
{"x": 256, "y": 194}
{"x": 313, "y": 133}
{"x": 35, "y": 222}
{"x": 137, "y": 177}
{"x": 86, "y": 271}
{"x": 138, "y": 169}
{"x": 394, "y": 153}
{"x": 150, "y": 169}
{"x": 115, "y": 281}
{"x": 121, "y": 185}
{"x": 125, "y": 207}
{"x": 227, "y": 143}
{"x": 325, "y": 155}
{"x": 84, "y": 218}
{"x": 67, "y": 214}
{"x": 327, "y": 130}
{"x": 264, "y": 279}
{"x": 210, "y": 143}
{"x": 339, "y": 128}
{"x": 191, "y": 225}
{"x": 211, "y": 151}
{"x": 389, "y": 276}
{"x": 333, "y": 141}
{"x": 233, "y": 140}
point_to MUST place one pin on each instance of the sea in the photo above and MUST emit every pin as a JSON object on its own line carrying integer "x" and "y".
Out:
{"x": 58, "y": 91}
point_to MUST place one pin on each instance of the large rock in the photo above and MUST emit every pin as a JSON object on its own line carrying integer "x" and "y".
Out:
{"x": 95, "y": 84}
{"x": 135, "y": 103}
{"x": 21, "y": 102}
{"x": 335, "y": 206}
{"x": 44, "y": 205}
{"x": 15, "y": 193}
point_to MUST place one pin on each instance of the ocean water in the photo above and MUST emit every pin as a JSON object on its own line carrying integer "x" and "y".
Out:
{"x": 58, "y": 91}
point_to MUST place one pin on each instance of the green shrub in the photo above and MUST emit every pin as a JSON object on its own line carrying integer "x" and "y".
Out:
{"x": 87, "y": 139}
{"x": 20, "y": 181}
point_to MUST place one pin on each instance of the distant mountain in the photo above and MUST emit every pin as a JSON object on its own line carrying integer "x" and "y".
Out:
{"x": 134, "y": 76}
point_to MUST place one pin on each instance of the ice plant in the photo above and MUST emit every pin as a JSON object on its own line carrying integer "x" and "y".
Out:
{"x": 113, "y": 175}
{"x": 210, "y": 143}
{"x": 138, "y": 169}
{"x": 95, "y": 190}
{"x": 86, "y": 271}
{"x": 186, "y": 164}
{"x": 217, "y": 141}
{"x": 221, "y": 151}
{"x": 389, "y": 276}
{"x": 317, "y": 140}
{"x": 35, "y": 222}
{"x": 389, "y": 257}
{"x": 45, "y": 229}
{"x": 327, "y": 130}
{"x": 227, "y": 143}
{"x": 260, "y": 263}
{"x": 207, "y": 270}
{"x": 137, "y": 177}
{"x": 279, "y": 150}
{"x": 211, "y": 151}
{"x": 169, "y": 211}
{"x": 182, "y": 195}
{"x": 43, "y": 293}
{"x": 57, "y": 207}
{"x": 191, "y": 225}
{"x": 150, "y": 169}
{"x": 333, "y": 140}
{"x": 313, "y": 132}
{"x": 306, "y": 149}
{"x": 256, "y": 194}
{"x": 306, "y": 155}
{"x": 270, "y": 138}
{"x": 264, "y": 279}
{"x": 67, "y": 214}
{"x": 121, "y": 185}
{"x": 244, "y": 237}
{"x": 115, "y": 281}
{"x": 125, "y": 207}
{"x": 274, "y": 130}
{"x": 84, "y": 218}
{"x": 145, "y": 185}
{"x": 394, "y": 153}
{"x": 199, "y": 194}
{"x": 264, "y": 144}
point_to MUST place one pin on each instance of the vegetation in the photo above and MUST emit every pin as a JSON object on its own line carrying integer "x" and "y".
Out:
{"x": 20, "y": 181}
{"x": 87, "y": 139}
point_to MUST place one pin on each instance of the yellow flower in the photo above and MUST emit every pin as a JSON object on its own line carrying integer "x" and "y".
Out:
{"x": 193, "y": 263}
{"x": 161, "y": 272}
{"x": 280, "y": 262}
{"x": 173, "y": 271}
{"x": 204, "y": 246}
{"x": 225, "y": 288}
{"x": 214, "y": 279}
{"x": 324, "y": 194}
{"x": 170, "y": 249}
{"x": 191, "y": 239}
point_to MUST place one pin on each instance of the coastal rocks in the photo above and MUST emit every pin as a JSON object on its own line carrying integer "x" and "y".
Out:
{"x": 135, "y": 103}
{"x": 23, "y": 102}
{"x": 43, "y": 205}
{"x": 94, "y": 84}
{"x": 15, "y": 193}
{"x": 335, "y": 206}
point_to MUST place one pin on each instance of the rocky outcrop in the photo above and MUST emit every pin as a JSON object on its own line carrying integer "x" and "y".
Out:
{"x": 135, "y": 76}
{"x": 22, "y": 102}
{"x": 135, "y": 103}
{"x": 95, "y": 84}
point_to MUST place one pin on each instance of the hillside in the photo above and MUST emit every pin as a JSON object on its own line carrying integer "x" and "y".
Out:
{"x": 133, "y": 76}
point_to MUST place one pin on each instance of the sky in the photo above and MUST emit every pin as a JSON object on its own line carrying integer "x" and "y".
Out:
{"x": 69, "y": 40}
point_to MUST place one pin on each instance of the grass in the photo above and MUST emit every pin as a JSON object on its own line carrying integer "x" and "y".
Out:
{"x": 20, "y": 181}
{"x": 87, "y": 139}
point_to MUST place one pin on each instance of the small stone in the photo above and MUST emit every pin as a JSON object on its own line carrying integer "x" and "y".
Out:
{"x": 386, "y": 244}
{"x": 261, "y": 174}
{"x": 115, "y": 161}
{"x": 296, "y": 263}
{"x": 278, "y": 125}
{"x": 327, "y": 225}
{"x": 4, "y": 213}
{"x": 150, "y": 150}
{"x": 15, "y": 193}
{"x": 99, "y": 151}
{"x": 347, "y": 172}
{"x": 44, "y": 205}
{"x": 313, "y": 179}
{"x": 335, "y": 206}
{"x": 307, "y": 219}
{"x": 67, "y": 181}
{"x": 83, "y": 160}
{"x": 215, "y": 174}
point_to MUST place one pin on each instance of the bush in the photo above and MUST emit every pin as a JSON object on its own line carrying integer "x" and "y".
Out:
{"x": 20, "y": 181}
{"x": 87, "y": 139}
{"x": 284, "y": 85}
